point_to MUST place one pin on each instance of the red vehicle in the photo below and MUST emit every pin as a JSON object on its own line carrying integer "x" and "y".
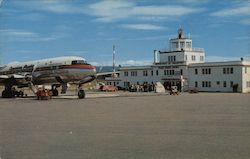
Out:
{"x": 44, "y": 94}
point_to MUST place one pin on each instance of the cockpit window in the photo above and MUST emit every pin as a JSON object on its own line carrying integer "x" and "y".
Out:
{"x": 75, "y": 62}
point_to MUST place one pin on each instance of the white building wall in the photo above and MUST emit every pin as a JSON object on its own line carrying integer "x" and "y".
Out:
{"x": 197, "y": 55}
{"x": 178, "y": 55}
{"x": 217, "y": 78}
{"x": 246, "y": 79}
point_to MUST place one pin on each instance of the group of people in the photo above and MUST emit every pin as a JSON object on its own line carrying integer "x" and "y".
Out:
{"x": 141, "y": 88}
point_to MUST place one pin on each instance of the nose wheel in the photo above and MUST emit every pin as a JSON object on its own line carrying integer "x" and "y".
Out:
{"x": 81, "y": 94}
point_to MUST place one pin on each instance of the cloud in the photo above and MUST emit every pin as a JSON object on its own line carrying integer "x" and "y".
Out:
{"x": 193, "y": 1}
{"x": 237, "y": 11}
{"x": 20, "y": 35}
{"x": 221, "y": 58}
{"x": 17, "y": 33}
{"x": 142, "y": 26}
{"x": 242, "y": 38}
{"x": 123, "y": 63}
{"x": 163, "y": 10}
{"x": 55, "y": 6}
{"x": 136, "y": 63}
{"x": 108, "y": 11}
{"x": 245, "y": 21}
{"x": 163, "y": 37}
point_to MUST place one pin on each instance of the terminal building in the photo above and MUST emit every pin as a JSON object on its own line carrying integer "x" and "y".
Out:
{"x": 184, "y": 66}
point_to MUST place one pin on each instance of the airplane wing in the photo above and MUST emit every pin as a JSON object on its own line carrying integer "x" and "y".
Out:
{"x": 15, "y": 76}
{"x": 15, "y": 79}
{"x": 4, "y": 77}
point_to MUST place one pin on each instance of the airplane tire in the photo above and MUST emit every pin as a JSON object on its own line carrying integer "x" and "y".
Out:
{"x": 55, "y": 92}
{"x": 81, "y": 94}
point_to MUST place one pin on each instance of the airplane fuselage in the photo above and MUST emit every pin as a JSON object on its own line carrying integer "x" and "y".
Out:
{"x": 60, "y": 70}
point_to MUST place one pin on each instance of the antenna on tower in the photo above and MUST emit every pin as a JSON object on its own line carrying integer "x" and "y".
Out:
{"x": 113, "y": 58}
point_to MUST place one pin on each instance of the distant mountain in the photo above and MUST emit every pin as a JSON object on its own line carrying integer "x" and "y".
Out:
{"x": 100, "y": 69}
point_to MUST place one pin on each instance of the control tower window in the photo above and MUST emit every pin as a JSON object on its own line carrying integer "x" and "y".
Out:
{"x": 76, "y": 62}
{"x": 182, "y": 45}
{"x": 188, "y": 45}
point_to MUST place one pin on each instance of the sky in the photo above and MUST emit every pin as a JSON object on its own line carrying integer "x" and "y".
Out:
{"x": 36, "y": 29}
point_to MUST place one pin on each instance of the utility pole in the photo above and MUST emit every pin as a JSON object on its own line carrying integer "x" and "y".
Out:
{"x": 114, "y": 74}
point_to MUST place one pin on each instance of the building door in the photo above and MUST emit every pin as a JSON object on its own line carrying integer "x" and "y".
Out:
{"x": 167, "y": 85}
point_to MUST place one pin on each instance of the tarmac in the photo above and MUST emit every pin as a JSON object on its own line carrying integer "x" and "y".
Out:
{"x": 127, "y": 126}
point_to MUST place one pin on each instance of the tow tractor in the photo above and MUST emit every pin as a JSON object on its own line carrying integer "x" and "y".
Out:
{"x": 44, "y": 94}
{"x": 174, "y": 90}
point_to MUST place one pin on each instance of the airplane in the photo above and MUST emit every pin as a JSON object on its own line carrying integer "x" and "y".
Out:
{"x": 58, "y": 71}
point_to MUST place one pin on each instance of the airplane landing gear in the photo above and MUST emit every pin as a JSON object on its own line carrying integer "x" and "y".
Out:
{"x": 11, "y": 92}
{"x": 81, "y": 94}
{"x": 54, "y": 90}
{"x": 7, "y": 94}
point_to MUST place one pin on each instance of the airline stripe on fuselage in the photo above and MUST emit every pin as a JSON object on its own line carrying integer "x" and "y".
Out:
{"x": 79, "y": 66}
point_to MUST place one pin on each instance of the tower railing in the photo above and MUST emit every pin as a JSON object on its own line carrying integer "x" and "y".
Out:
{"x": 183, "y": 49}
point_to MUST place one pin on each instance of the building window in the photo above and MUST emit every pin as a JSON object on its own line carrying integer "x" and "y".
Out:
{"x": 145, "y": 73}
{"x": 196, "y": 84}
{"x": 245, "y": 70}
{"x": 157, "y": 72}
{"x": 201, "y": 58}
{"x": 206, "y": 83}
{"x": 171, "y": 72}
{"x": 152, "y": 73}
{"x": 232, "y": 70}
{"x": 181, "y": 72}
{"x": 218, "y": 82}
{"x": 133, "y": 73}
{"x": 126, "y": 73}
{"x": 126, "y": 84}
{"x": 248, "y": 84}
{"x": 206, "y": 71}
{"x": 224, "y": 70}
{"x": 225, "y": 84}
{"x": 193, "y": 58}
{"x": 165, "y": 72}
{"x": 228, "y": 70}
{"x": 196, "y": 71}
{"x": 182, "y": 45}
{"x": 186, "y": 57}
{"x": 171, "y": 58}
{"x": 231, "y": 84}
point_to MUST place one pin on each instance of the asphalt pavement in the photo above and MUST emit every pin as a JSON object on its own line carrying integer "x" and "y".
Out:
{"x": 132, "y": 126}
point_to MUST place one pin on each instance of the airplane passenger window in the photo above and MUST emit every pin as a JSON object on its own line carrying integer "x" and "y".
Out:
{"x": 75, "y": 62}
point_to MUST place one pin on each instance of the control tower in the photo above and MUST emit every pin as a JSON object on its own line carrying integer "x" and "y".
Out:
{"x": 181, "y": 51}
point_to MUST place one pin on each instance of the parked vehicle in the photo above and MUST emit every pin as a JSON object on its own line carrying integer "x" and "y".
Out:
{"x": 174, "y": 90}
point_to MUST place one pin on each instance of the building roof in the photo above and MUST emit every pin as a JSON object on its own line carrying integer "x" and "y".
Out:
{"x": 223, "y": 63}
{"x": 135, "y": 68}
